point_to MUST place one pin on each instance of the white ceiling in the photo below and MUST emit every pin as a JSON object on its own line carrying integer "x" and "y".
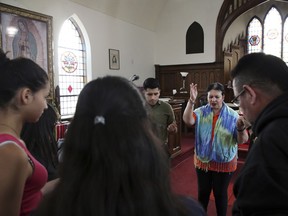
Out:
{"x": 143, "y": 13}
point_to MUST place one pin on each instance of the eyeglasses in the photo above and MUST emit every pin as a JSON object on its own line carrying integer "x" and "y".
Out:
{"x": 235, "y": 100}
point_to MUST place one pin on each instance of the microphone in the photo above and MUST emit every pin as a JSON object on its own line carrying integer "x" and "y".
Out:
{"x": 133, "y": 78}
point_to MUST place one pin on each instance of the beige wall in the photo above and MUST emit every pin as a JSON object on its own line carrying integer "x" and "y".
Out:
{"x": 139, "y": 48}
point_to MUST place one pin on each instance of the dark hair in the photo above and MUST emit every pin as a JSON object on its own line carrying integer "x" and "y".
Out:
{"x": 262, "y": 70}
{"x": 151, "y": 83}
{"x": 41, "y": 141}
{"x": 18, "y": 73}
{"x": 216, "y": 86}
{"x": 113, "y": 164}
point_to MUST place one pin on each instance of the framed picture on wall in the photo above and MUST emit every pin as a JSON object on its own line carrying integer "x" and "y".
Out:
{"x": 114, "y": 59}
{"x": 27, "y": 34}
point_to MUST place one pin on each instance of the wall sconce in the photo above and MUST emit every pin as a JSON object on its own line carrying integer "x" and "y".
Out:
{"x": 183, "y": 88}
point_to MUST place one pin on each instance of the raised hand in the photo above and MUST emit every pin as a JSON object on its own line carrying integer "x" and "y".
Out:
{"x": 193, "y": 91}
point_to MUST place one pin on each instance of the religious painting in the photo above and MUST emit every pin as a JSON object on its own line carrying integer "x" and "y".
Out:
{"x": 27, "y": 34}
{"x": 114, "y": 59}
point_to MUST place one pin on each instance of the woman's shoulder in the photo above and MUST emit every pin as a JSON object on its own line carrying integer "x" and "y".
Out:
{"x": 11, "y": 151}
{"x": 13, "y": 162}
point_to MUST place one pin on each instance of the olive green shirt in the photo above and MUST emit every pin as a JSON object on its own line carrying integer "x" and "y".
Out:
{"x": 162, "y": 115}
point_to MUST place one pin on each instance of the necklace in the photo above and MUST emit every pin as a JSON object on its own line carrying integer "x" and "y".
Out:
{"x": 7, "y": 126}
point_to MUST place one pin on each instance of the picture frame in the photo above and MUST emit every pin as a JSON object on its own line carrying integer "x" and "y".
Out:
{"x": 114, "y": 59}
{"x": 28, "y": 34}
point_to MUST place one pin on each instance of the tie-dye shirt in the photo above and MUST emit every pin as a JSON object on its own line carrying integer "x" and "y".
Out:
{"x": 222, "y": 147}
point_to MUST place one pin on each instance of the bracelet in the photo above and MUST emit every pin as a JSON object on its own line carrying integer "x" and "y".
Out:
{"x": 241, "y": 130}
{"x": 191, "y": 101}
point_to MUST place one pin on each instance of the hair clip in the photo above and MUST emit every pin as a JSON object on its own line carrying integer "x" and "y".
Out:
{"x": 99, "y": 120}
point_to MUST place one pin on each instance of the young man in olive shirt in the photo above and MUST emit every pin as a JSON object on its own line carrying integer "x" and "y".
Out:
{"x": 161, "y": 113}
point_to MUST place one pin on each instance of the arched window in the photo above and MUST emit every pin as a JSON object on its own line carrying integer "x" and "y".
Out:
{"x": 254, "y": 36}
{"x": 274, "y": 32}
{"x": 285, "y": 41}
{"x": 72, "y": 66}
{"x": 195, "y": 39}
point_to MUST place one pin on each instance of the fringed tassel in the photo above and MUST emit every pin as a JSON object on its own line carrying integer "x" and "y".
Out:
{"x": 214, "y": 166}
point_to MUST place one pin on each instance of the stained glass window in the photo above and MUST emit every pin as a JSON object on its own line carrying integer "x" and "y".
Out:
{"x": 285, "y": 41}
{"x": 273, "y": 33}
{"x": 72, "y": 66}
{"x": 254, "y": 36}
